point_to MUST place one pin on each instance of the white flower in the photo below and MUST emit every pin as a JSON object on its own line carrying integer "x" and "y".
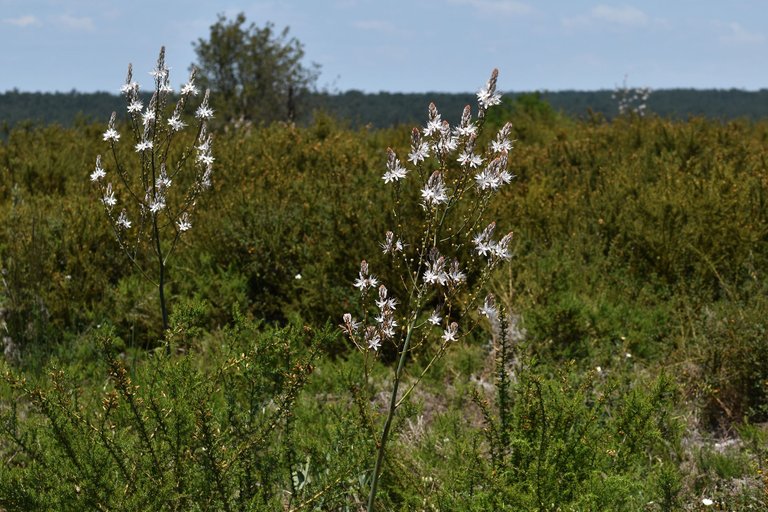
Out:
{"x": 111, "y": 134}
{"x": 707, "y": 502}
{"x": 129, "y": 87}
{"x": 497, "y": 146}
{"x": 183, "y": 223}
{"x": 455, "y": 275}
{"x": 163, "y": 181}
{"x": 159, "y": 73}
{"x": 122, "y": 220}
{"x": 466, "y": 128}
{"x": 482, "y": 241}
{"x": 494, "y": 174}
{"x": 204, "y": 111}
{"x": 372, "y": 337}
{"x": 469, "y": 158}
{"x": 204, "y": 151}
{"x": 364, "y": 280}
{"x": 435, "y": 123}
{"x": 433, "y": 126}
{"x": 205, "y": 158}
{"x": 350, "y": 326}
{"x": 435, "y": 277}
{"x": 389, "y": 177}
{"x": 189, "y": 88}
{"x": 487, "y": 96}
{"x": 501, "y": 248}
{"x": 395, "y": 170}
{"x": 464, "y": 131}
{"x": 144, "y": 145}
{"x": 387, "y": 328}
{"x": 447, "y": 142}
{"x": 488, "y": 309}
{"x": 435, "y": 272}
{"x": 435, "y": 318}
{"x": 157, "y": 204}
{"x": 434, "y": 192}
{"x": 491, "y": 312}
{"x": 99, "y": 172}
{"x": 109, "y": 197}
{"x": 485, "y": 246}
{"x": 387, "y": 304}
{"x": 390, "y": 244}
{"x": 502, "y": 143}
{"x": 205, "y": 145}
{"x": 175, "y": 123}
{"x": 148, "y": 116}
{"x": 135, "y": 106}
{"x": 419, "y": 154}
{"x": 363, "y": 283}
{"x": 451, "y": 332}
{"x": 205, "y": 181}
{"x": 486, "y": 179}
{"x": 297, "y": 277}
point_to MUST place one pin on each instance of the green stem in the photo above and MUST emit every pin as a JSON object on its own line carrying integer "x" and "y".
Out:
{"x": 390, "y": 416}
{"x": 161, "y": 280}
{"x": 423, "y": 373}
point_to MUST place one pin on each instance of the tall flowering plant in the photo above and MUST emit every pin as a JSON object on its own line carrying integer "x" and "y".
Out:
{"x": 631, "y": 100}
{"x": 150, "y": 198}
{"x": 445, "y": 262}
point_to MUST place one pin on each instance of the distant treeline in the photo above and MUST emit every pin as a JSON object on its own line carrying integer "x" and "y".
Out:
{"x": 384, "y": 109}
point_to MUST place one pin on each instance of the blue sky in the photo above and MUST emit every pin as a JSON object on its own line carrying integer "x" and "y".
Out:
{"x": 403, "y": 45}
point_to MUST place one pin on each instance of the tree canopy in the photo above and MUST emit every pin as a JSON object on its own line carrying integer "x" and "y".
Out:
{"x": 257, "y": 74}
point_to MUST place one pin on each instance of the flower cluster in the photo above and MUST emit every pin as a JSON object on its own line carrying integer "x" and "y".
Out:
{"x": 487, "y": 96}
{"x": 159, "y": 199}
{"x": 451, "y": 169}
{"x": 434, "y": 289}
{"x": 493, "y": 250}
{"x": 439, "y": 140}
{"x": 631, "y": 99}
{"x": 391, "y": 245}
{"x": 434, "y": 191}
{"x": 386, "y": 317}
{"x": 395, "y": 170}
{"x": 437, "y": 274}
{"x": 154, "y": 132}
{"x": 365, "y": 281}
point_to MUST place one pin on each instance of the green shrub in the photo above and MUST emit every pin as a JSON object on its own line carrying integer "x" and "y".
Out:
{"x": 161, "y": 434}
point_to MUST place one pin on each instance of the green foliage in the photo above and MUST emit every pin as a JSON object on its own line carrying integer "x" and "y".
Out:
{"x": 256, "y": 74}
{"x": 290, "y": 202}
{"x": 572, "y": 440}
{"x": 731, "y": 380}
{"x": 164, "y": 434}
{"x": 640, "y": 237}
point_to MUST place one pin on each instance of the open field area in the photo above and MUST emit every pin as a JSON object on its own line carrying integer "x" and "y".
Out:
{"x": 624, "y": 365}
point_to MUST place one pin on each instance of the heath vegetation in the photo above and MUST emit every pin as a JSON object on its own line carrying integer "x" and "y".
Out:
{"x": 347, "y": 321}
